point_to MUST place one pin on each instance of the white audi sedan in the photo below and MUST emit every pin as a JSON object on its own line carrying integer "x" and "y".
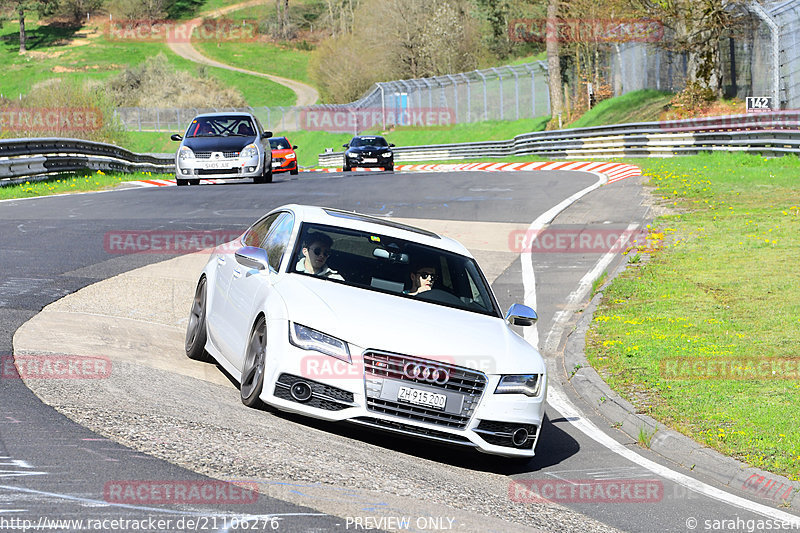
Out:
{"x": 347, "y": 317}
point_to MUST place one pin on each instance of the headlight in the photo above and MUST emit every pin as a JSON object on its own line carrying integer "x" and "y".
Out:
{"x": 351, "y": 155}
{"x": 249, "y": 151}
{"x": 289, "y": 156}
{"x": 311, "y": 339}
{"x": 527, "y": 384}
{"x": 185, "y": 153}
{"x": 387, "y": 154}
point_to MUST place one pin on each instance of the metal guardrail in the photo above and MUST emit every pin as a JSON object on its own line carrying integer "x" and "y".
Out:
{"x": 22, "y": 158}
{"x": 771, "y": 134}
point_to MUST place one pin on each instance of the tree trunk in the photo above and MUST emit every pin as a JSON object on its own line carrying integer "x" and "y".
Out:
{"x": 285, "y": 22}
{"x": 22, "y": 36}
{"x": 553, "y": 61}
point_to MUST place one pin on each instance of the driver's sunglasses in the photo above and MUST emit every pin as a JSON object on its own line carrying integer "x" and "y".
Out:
{"x": 427, "y": 275}
{"x": 321, "y": 251}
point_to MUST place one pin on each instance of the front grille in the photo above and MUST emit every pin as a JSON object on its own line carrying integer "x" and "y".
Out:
{"x": 500, "y": 433}
{"x": 463, "y": 380}
{"x": 322, "y": 396}
{"x": 399, "y": 427}
{"x": 207, "y": 155}
{"x": 464, "y": 385}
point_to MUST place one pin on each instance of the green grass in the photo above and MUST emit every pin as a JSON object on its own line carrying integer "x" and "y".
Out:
{"x": 72, "y": 183}
{"x": 637, "y": 106}
{"x": 260, "y": 57}
{"x": 720, "y": 283}
{"x": 49, "y": 57}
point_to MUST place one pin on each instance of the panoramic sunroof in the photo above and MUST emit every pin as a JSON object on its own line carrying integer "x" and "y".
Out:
{"x": 382, "y": 221}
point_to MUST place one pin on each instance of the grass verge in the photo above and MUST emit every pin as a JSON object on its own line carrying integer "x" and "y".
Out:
{"x": 72, "y": 183}
{"x": 718, "y": 293}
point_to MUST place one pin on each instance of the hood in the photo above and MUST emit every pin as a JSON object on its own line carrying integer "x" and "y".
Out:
{"x": 372, "y": 320}
{"x": 218, "y": 144}
{"x": 282, "y": 153}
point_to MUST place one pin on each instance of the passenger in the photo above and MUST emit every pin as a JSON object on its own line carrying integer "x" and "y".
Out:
{"x": 316, "y": 250}
{"x": 422, "y": 279}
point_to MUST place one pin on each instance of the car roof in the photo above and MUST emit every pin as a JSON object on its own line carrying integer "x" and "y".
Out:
{"x": 225, "y": 114}
{"x": 384, "y": 226}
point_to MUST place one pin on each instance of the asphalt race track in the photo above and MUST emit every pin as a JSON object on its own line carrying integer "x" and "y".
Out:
{"x": 156, "y": 417}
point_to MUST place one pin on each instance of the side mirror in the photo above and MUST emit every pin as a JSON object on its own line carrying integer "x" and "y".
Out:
{"x": 521, "y": 315}
{"x": 176, "y": 137}
{"x": 345, "y": 145}
{"x": 266, "y": 135}
{"x": 252, "y": 257}
{"x": 391, "y": 145}
{"x": 294, "y": 147}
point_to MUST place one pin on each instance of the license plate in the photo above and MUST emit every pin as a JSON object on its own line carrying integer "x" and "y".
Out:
{"x": 276, "y": 163}
{"x": 217, "y": 164}
{"x": 421, "y": 397}
{"x": 370, "y": 160}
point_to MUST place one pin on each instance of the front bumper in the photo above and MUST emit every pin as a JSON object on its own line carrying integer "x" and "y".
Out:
{"x": 279, "y": 164}
{"x": 500, "y": 424}
{"x": 369, "y": 161}
{"x": 219, "y": 167}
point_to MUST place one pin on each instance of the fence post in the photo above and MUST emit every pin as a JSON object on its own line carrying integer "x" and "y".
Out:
{"x": 469, "y": 97}
{"x": 500, "y": 77}
{"x": 455, "y": 94}
{"x": 485, "y": 102}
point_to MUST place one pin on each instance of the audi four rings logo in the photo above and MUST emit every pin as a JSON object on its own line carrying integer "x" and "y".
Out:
{"x": 431, "y": 374}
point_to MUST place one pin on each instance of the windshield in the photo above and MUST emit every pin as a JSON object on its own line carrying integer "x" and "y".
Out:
{"x": 221, "y": 126}
{"x": 369, "y": 141}
{"x": 398, "y": 267}
{"x": 279, "y": 143}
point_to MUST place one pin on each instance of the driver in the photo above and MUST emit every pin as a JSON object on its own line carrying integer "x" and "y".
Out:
{"x": 422, "y": 279}
{"x": 316, "y": 250}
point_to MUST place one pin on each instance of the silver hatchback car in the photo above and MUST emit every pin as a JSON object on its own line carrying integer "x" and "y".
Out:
{"x": 223, "y": 145}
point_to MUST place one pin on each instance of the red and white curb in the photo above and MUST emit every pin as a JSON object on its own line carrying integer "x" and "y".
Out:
{"x": 614, "y": 171}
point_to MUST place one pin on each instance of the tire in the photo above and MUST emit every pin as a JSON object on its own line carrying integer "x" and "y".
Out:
{"x": 195, "y": 344}
{"x": 390, "y": 168}
{"x": 181, "y": 182}
{"x": 345, "y": 168}
{"x": 294, "y": 171}
{"x": 252, "y": 380}
{"x": 268, "y": 177}
{"x": 194, "y": 182}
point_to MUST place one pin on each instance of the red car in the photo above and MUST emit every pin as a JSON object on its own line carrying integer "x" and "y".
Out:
{"x": 283, "y": 156}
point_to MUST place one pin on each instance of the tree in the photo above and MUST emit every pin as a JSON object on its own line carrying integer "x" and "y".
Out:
{"x": 282, "y": 12}
{"x": 553, "y": 59}
{"x": 696, "y": 27}
{"x": 78, "y": 9}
